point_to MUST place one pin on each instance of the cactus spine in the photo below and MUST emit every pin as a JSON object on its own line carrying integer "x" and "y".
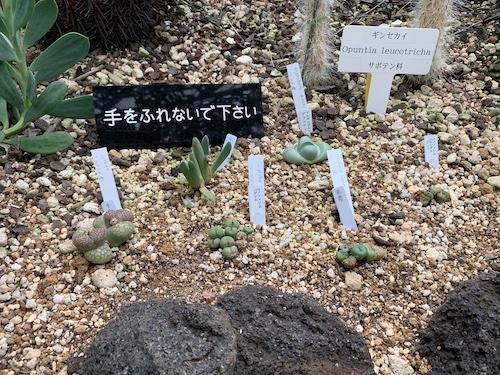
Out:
{"x": 315, "y": 46}
{"x": 436, "y": 14}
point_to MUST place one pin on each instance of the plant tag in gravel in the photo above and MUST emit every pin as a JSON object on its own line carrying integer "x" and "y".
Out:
{"x": 256, "y": 190}
{"x": 344, "y": 208}
{"x": 339, "y": 174}
{"x": 111, "y": 200}
{"x": 304, "y": 113}
{"x": 431, "y": 150}
{"x": 385, "y": 52}
{"x": 172, "y": 115}
{"x": 232, "y": 140}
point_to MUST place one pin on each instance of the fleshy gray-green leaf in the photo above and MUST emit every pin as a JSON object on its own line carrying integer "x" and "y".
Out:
{"x": 22, "y": 12}
{"x": 45, "y": 144}
{"x": 43, "y": 18}
{"x": 201, "y": 158}
{"x": 79, "y": 107}
{"x": 3, "y": 25}
{"x": 52, "y": 95}
{"x": 226, "y": 150}
{"x": 205, "y": 143}
{"x": 8, "y": 90}
{"x": 31, "y": 88}
{"x": 7, "y": 52}
{"x": 59, "y": 56}
{"x": 4, "y": 117}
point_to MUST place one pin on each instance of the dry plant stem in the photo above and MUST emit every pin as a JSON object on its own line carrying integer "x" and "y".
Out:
{"x": 436, "y": 14}
{"x": 314, "y": 50}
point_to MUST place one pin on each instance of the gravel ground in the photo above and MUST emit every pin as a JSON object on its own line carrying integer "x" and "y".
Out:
{"x": 50, "y": 307}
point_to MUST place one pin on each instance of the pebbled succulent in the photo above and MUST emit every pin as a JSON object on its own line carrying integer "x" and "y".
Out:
{"x": 112, "y": 229}
{"x": 305, "y": 151}
{"x": 196, "y": 169}
{"x": 227, "y": 239}
{"x": 439, "y": 195}
{"x": 351, "y": 256}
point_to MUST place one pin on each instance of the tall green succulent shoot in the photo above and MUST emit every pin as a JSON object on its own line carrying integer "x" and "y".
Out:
{"x": 22, "y": 24}
{"x": 196, "y": 168}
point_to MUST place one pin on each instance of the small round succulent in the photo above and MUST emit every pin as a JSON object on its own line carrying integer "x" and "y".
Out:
{"x": 441, "y": 196}
{"x": 216, "y": 232}
{"x": 226, "y": 241}
{"x": 248, "y": 230}
{"x": 232, "y": 223}
{"x": 426, "y": 197}
{"x": 306, "y": 151}
{"x": 214, "y": 243}
{"x": 229, "y": 252}
{"x": 231, "y": 231}
{"x": 350, "y": 256}
{"x": 229, "y": 239}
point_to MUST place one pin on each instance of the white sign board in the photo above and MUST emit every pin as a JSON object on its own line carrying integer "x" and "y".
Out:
{"x": 256, "y": 190}
{"x": 384, "y": 52}
{"x": 304, "y": 113}
{"x": 110, "y": 198}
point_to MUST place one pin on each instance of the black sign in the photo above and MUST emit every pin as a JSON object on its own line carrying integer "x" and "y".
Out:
{"x": 171, "y": 115}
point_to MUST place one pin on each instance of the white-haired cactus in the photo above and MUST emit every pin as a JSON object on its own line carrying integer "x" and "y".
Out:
{"x": 350, "y": 256}
{"x": 436, "y": 14}
{"x": 315, "y": 46}
{"x": 196, "y": 168}
{"x": 305, "y": 151}
{"x": 112, "y": 229}
{"x": 228, "y": 238}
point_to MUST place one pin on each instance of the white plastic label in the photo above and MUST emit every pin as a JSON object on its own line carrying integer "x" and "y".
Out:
{"x": 431, "y": 150}
{"x": 111, "y": 200}
{"x": 385, "y": 52}
{"x": 304, "y": 113}
{"x": 256, "y": 190}
{"x": 232, "y": 140}
{"x": 344, "y": 208}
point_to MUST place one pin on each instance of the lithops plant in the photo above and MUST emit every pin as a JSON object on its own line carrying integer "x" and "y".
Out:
{"x": 112, "y": 229}
{"x": 306, "y": 151}
{"x": 351, "y": 256}
{"x": 196, "y": 169}
{"x": 439, "y": 195}
{"x": 228, "y": 238}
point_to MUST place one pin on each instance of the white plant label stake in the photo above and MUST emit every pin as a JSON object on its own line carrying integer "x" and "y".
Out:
{"x": 256, "y": 190}
{"x": 384, "y": 52}
{"x": 110, "y": 198}
{"x": 341, "y": 191}
{"x": 304, "y": 113}
{"x": 431, "y": 150}
{"x": 232, "y": 140}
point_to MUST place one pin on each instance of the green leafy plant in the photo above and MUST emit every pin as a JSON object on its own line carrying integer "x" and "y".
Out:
{"x": 305, "y": 151}
{"x": 196, "y": 168}
{"x": 112, "y": 229}
{"x": 439, "y": 195}
{"x": 351, "y": 256}
{"x": 229, "y": 238}
{"x": 22, "y": 24}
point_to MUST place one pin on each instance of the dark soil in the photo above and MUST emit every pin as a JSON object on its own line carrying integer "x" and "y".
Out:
{"x": 282, "y": 334}
{"x": 463, "y": 336}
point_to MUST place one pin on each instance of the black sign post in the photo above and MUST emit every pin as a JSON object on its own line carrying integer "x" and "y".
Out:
{"x": 171, "y": 115}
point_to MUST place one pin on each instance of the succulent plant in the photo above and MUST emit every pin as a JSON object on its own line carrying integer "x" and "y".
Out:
{"x": 439, "y": 195}
{"x": 351, "y": 256}
{"x": 305, "y": 151}
{"x": 22, "y": 24}
{"x": 196, "y": 169}
{"x": 426, "y": 197}
{"x": 229, "y": 238}
{"x": 112, "y": 229}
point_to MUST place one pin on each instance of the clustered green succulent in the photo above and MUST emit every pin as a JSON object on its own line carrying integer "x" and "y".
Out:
{"x": 439, "y": 195}
{"x": 305, "y": 151}
{"x": 196, "y": 168}
{"x": 228, "y": 238}
{"x": 351, "y": 256}
{"x": 22, "y": 24}
{"x": 112, "y": 229}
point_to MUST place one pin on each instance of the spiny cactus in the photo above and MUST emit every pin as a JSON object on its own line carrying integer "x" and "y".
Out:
{"x": 112, "y": 229}
{"x": 350, "y": 256}
{"x": 315, "y": 46}
{"x": 196, "y": 168}
{"x": 305, "y": 151}
{"x": 439, "y": 195}
{"x": 436, "y": 14}
{"x": 228, "y": 238}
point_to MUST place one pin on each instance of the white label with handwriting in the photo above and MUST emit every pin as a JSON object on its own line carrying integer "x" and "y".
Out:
{"x": 431, "y": 150}
{"x": 256, "y": 190}
{"x": 344, "y": 208}
{"x": 232, "y": 140}
{"x": 110, "y": 198}
{"x": 385, "y": 52}
{"x": 304, "y": 113}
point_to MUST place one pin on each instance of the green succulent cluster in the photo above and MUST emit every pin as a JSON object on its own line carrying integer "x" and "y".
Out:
{"x": 439, "y": 195}
{"x": 227, "y": 238}
{"x": 305, "y": 151}
{"x": 196, "y": 168}
{"x": 22, "y": 24}
{"x": 351, "y": 256}
{"x": 112, "y": 229}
